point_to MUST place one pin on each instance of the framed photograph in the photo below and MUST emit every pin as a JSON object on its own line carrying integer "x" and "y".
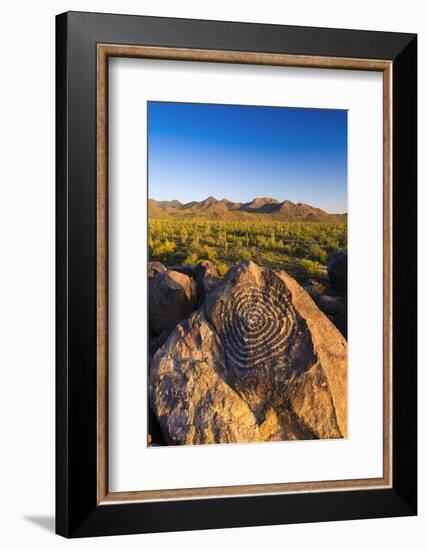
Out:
{"x": 236, "y": 274}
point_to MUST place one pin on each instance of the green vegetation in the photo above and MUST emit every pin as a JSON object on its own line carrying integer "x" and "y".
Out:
{"x": 301, "y": 248}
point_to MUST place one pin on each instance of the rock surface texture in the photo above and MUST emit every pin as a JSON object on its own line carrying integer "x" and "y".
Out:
{"x": 172, "y": 297}
{"x": 259, "y": 362}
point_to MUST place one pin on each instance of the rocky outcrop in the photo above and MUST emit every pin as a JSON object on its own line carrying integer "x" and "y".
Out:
{"x": 259, "y": 362}
{"x": 337, "y": 267}
{"x": 172, "y": 297}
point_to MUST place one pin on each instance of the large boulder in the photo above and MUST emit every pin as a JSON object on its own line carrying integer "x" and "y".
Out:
{"x": 260, "y": 362}
{"x": 337, "y": 267}
{"x": 172, "y": 297}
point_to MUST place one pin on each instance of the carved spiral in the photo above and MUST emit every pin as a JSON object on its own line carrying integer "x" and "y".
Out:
{"x": 256, "y": 326}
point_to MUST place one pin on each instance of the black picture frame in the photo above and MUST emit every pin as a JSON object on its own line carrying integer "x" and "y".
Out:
{"x": 77, "y": 511}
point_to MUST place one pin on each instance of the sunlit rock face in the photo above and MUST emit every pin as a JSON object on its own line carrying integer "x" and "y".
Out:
{"x": 172, "y": 297}
{"x": 258, "y": 362}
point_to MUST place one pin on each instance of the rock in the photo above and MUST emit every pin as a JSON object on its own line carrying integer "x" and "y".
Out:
{"x": 172, "y": 297}
{"x": 341, "y": 323}
{"x": 206, "y": 268}
{"x": 207, "y": 278}
{"x": 331, "y": 305}
{"x": 315, "y": 289}
{"x": 159, "y": 340}
{"x": 188, "y": 270}
{"x": 155, "y": 267}
{"x": 320, "y": 287}
{"x": 260, "y": 362}
{"x": 192, "y": 401}
{"x": 337, "y": 267}
{"x": 313, "y": 293}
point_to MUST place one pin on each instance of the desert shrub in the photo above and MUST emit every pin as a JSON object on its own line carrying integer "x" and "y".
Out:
{"x": 262, "y": 241}
{"x": 163, "y": 249}
{"x": 238, "y": 242}
{"x": 242, "y": 254}
{"x": 210, "y": 241}
{"x": 315, "y": 252}
{"x": 222, "y": 269}
{"x": 276, "y": 245}
{"x": 296, "y": 250}
{"x": 313, "y": 269}
{"x": 207, "y": 253}
{"x": 191, "y": 259}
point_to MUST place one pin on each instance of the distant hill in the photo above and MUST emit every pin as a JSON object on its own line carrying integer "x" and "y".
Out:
{"x": 260, "y": 208}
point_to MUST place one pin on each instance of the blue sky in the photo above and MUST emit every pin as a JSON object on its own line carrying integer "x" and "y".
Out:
{"x": 242, "y": 152}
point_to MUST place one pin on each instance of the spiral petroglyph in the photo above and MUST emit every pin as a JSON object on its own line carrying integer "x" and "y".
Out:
{"x": 256, "y": 326}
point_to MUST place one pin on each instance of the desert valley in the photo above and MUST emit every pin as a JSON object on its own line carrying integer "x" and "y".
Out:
{"x": 247, "y": 322}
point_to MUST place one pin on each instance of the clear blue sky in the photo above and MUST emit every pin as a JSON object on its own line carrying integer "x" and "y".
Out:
{"x": 242, "y": 152}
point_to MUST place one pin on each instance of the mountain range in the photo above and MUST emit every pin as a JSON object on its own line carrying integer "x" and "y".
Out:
{"x": 260, "y": 208}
